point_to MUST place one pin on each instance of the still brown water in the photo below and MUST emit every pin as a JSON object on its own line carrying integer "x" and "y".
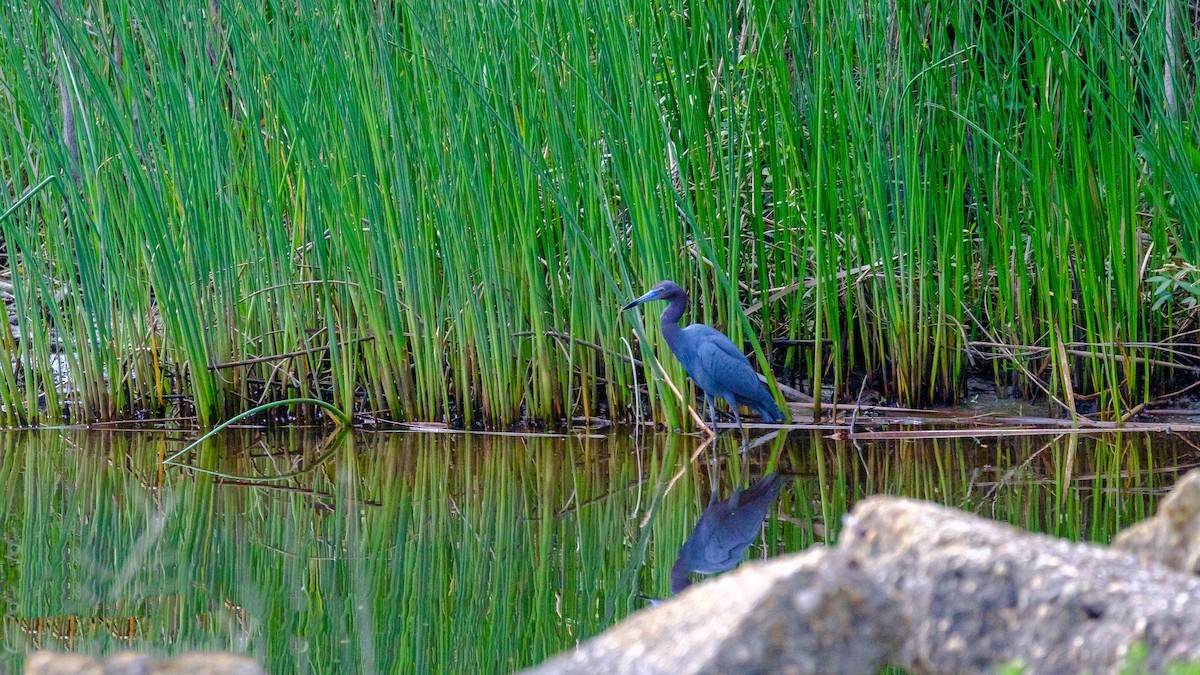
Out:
{"x": 448, "y": 552}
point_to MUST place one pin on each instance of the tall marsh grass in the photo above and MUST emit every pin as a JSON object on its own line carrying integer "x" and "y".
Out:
{"x": 432, "y": 210}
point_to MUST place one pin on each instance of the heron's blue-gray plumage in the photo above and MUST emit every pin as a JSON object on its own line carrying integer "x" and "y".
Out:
{"x": 724, "y": 532}
{"x": 710, "y": 358}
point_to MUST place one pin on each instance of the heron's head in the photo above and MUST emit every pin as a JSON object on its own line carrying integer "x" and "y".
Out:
{"x": 663, "y": 290}
{"x": 679, "y": 575}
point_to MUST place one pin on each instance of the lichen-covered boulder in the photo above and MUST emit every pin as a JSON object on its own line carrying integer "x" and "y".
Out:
{"x": 46, "y": 662}
{"x": 924, "y": 587}
{"x": 809, "y": 613}
{"x": 1171, "y": 536}
{"x": 980, "y": 594}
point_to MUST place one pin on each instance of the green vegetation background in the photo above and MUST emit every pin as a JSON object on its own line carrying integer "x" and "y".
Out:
{"x": 433, "y": 210}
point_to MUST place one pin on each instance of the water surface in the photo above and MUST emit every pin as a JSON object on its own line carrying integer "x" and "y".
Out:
{"x": 422, "y": 552}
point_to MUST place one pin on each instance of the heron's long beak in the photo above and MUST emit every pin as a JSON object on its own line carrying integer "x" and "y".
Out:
{"x": 652, "y": 295}
{"x": 654, "y": 602}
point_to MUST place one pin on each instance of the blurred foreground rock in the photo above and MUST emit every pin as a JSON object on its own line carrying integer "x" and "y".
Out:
{"x": 1172, "y": 536}
{"x": 807, "y": 613}
{"x": 981, "y": 595}
{"x": 923, "y": 587}
{"x": 135, "y": 663}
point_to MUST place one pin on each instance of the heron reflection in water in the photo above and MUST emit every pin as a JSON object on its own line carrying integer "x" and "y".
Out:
{"x": 725, "y": 530}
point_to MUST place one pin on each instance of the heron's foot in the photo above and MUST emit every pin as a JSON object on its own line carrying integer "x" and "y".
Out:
{"x": 744, "y": 448}
{"x": 745, "y": 436}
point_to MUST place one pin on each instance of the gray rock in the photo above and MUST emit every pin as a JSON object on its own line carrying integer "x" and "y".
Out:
{"x": 208, "y": 663}
{"x": 128, "y": 663}
{"x": 45, "y": 662}
{"x": 923, "y": 587}
{"x": 809, "y": 613}
{"x": 1172, "y": 536}
{"x": 830, "y": 618}
{"x": 981, "y": 594}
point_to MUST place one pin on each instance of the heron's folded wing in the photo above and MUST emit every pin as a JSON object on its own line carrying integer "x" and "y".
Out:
{"x": 707, "y": 549}
{"x": 725, "y": 365}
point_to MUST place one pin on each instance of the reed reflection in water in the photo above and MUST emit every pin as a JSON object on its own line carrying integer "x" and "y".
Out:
{"x": 414, "y": 552}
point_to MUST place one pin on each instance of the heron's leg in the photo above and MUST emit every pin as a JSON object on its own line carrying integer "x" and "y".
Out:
{"x": 712, "y": 412}
{"x": 713, "y": 482}
{"x": 738, "y": 418}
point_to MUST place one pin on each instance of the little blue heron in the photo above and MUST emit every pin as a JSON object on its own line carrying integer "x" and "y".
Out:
{"x": 713, "y": 362}
{"x": 725, "y": 530}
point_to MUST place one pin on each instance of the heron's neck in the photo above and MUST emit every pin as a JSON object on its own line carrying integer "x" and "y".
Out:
{"x": 679, "y": 578}
{"x": 670, "y": 321}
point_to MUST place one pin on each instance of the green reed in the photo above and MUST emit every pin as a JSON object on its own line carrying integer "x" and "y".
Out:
{"x": 433, "y": 211}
